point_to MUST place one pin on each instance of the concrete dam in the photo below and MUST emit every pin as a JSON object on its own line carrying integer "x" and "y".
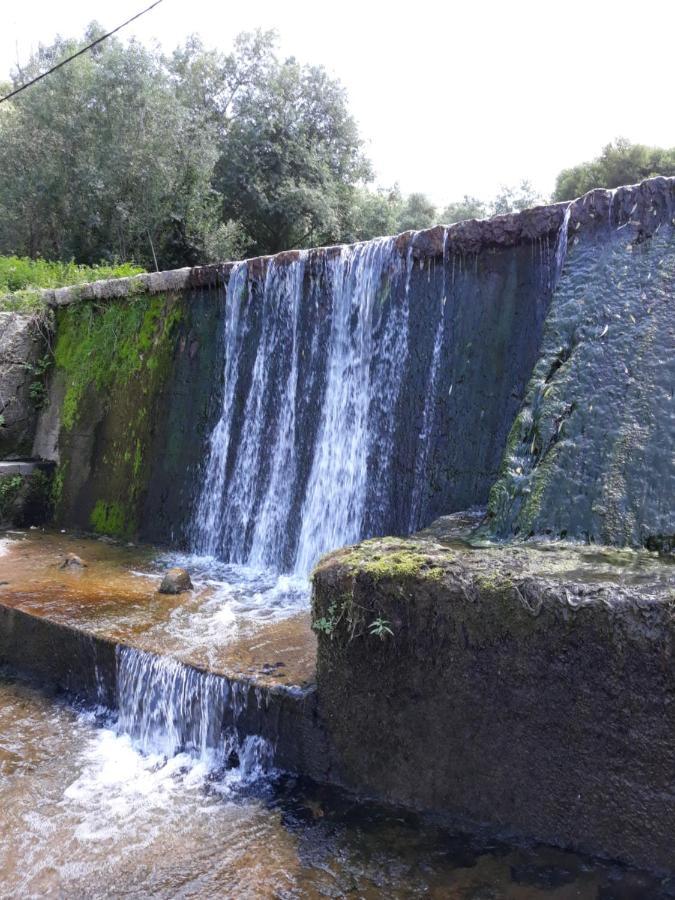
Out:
{"x": 423, "y": 486}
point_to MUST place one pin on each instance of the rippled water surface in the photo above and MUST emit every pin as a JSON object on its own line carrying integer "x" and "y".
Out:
{"x": 84, "y": 814}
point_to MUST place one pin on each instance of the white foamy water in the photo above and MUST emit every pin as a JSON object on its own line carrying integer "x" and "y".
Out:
{"x": 230, "y": 600}
{"x": 85, "y": 814}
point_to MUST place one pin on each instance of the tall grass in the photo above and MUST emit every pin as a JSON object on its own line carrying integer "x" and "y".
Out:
{"x": 17, "y": 273}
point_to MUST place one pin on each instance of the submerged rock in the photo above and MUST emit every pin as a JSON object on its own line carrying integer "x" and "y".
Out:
{"x": 72, "y": 562}
{"x": 176, "y": 581}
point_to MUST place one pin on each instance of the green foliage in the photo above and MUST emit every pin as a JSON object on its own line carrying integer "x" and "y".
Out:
{"x": 37, "y": 390}
{"x": 466, "y": 208}
{"x": 290, "y": 154}
{"x": 515, "y": 199}
{"x": 620, "y": 162}
{"x": 417, "y": 212}
{"x": 102, "y": 161}
{"x": 10, "y": 485}
{"x": 328, "y": 623}
{"x": 380, "y": 628}
{"x": 19, "y": 273}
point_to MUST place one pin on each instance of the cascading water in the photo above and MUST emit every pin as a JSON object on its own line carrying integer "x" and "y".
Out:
{"x": 297, "y": 481}
{"x": 366, "y": 352}
{"x": 338, "y": 418}
{"x": 169, "y": 708}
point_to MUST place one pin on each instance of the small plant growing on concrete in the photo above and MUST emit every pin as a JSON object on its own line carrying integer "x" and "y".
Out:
{"x": 380, "y": 628}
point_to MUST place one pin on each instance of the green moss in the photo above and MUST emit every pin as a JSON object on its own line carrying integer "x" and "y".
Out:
{"x": 114, "y": 359}
{"x": 404, "y": 564}
{"x": 388, "y": 558}
{"x": 110, "y": 518}
{"x": 103, "y": 344}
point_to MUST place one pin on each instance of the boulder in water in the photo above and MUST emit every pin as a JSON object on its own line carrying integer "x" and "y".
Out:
{"x": 176, "y": 581}
{"x": 72, "y": 563}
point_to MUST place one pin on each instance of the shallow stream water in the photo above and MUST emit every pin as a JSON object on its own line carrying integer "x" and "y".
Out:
{"x": 84, "y": 814}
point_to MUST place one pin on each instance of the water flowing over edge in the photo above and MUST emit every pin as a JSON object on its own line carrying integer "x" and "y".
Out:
{"x": 168, "y": 708}
{"x": 315, "y": 363}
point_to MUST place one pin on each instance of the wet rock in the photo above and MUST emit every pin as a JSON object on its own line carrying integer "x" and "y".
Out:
{"x": 72, "y": 563}
{"x": 176, "y": 581}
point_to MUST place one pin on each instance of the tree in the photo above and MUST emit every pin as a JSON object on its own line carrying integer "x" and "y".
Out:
{"x": 416, "y": 213}
{"x": 173, "y": 161}
{"x": 516, "y": 199}
{"x": 100, "y": 161}
{"x": 620, "y": 162}
{"x": 467, "y": 208}
{"x": 290, "y": 158}
{"x": 373, "y": 213}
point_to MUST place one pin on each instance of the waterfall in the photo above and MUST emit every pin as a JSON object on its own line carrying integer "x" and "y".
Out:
{"x": 422, "y": 453}
{"x": 340, "y": 340}
{"x": 366, "y": 351}
{"x": 168, "y": 708}
{"x": 338, "y": 419}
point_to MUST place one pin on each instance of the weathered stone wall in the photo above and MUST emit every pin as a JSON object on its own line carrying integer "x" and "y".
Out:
{"x": 526, "y": 689}
{"x": 590, "y": 453}
{"x": 22, "y": 345}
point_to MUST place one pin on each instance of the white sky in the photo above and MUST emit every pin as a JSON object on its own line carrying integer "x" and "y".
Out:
{"x": 451, "y": 97}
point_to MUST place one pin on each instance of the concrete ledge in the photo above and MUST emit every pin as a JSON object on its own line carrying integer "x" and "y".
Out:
{"x": 85, "y": 666}
{"x": 525, "y": 688}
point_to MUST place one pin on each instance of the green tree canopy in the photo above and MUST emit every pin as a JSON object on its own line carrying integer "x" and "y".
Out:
{"x": 100, "y": 161}
{"x": 128, "y": 154}
{"x": 466, "y": 208}
{"x": 620, "y": 162}
{"x": 290, "y": 157}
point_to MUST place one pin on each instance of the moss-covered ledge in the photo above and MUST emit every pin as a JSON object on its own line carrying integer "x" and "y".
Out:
{"x": 529, "y": 688}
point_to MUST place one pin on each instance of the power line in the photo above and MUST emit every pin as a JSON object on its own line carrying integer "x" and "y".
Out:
{"x": 80, "y": 52}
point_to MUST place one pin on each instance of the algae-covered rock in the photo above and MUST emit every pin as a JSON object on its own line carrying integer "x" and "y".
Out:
{"x": 176, "y": 581}
{"x": 72, "y": 563}
{"x": 590, "y": 453}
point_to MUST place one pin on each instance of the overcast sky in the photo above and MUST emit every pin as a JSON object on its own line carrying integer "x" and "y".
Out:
{"x": 451, "y": 98}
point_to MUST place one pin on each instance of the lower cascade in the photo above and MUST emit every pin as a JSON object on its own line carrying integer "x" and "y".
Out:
{"x": 169, "y": 708}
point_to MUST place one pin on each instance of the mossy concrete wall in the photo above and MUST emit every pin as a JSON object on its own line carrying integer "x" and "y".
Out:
{"x": 590, "y": 453}
{"x": 127, "y": 410}
{"x": 529, "y": 690}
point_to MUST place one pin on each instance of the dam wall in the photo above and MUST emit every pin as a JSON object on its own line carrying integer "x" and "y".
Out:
{"x": 421, "y": 345}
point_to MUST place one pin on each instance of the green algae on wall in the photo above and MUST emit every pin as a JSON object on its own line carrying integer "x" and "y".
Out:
{"x": 112, "y": 359}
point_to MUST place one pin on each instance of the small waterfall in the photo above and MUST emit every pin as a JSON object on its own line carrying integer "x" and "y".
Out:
{"x": 422, "y": 454}
{"x": 168, "y": 708}
{"x": 338, "y": 418}
{"x": 561, "y": 247}
{"x": 366, "y": 353}
{"x": 287, "y": 479}
{"x": 208, "y": 519}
